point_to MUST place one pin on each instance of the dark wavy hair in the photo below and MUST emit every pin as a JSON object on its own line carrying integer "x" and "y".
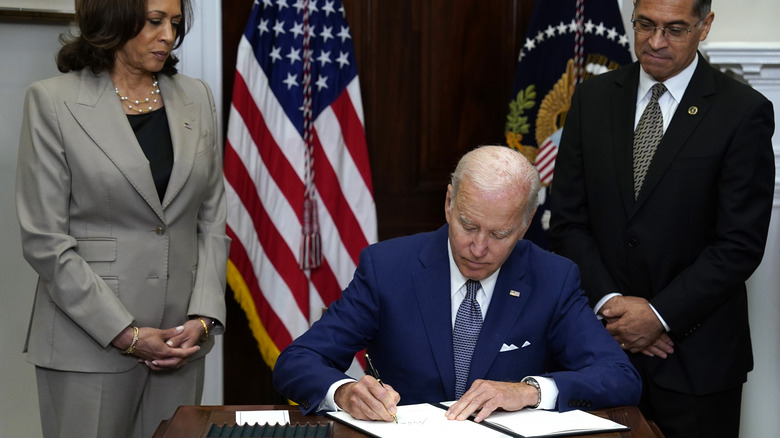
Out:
{"x": 104, "y": 28}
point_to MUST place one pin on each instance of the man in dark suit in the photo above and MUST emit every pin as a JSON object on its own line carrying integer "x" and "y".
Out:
{"x": 664, "y": 261}
{"x": 540, "y": 345}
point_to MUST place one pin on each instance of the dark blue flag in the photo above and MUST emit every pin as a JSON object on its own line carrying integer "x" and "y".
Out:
{"x": 567, "y": 42}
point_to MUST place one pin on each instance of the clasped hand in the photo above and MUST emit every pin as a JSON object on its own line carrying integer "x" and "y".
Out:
{"x": 165, "y": 349}
{"x": 633, "y": 324}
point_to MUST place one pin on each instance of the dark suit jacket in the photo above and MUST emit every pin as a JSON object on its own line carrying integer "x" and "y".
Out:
{"x": 398, "y": 307}
{"x": 697, "y": 230}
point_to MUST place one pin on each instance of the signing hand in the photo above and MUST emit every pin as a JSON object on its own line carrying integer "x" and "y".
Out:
{"x": 486, "y": 396}
{"x": 366, "y": 399}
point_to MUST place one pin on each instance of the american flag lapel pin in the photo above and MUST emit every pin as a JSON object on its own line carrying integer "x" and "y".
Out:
{"x": 514, "y": 293}
{"x": 187, "y": 126}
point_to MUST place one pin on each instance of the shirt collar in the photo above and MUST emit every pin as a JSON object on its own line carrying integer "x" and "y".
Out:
{"x": 676, "y": 85}
{"x": 457, "y": 280}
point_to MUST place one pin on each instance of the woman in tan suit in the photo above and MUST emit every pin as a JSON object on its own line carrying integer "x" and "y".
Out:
{"x": 121, "y": 206}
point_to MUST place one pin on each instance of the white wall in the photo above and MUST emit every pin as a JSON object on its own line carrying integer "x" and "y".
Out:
{"x": 27, "y": 53}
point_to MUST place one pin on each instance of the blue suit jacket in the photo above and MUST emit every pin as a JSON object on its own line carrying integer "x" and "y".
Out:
{"x": 398, "y": 308}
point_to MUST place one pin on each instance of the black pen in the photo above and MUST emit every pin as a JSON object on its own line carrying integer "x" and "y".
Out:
{"x": 375, "y": 374}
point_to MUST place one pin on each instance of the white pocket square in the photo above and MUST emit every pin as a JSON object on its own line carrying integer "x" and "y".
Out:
{"x": 509, "y": 347}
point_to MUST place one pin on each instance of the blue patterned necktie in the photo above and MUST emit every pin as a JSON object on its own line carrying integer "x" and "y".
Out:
{"x": 468, "y": 323}
{"x": 648, "y": 134}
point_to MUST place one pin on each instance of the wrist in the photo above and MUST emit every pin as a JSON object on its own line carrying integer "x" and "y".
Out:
{"x": 537, "y": 400}
{"x": 127, "y": 340}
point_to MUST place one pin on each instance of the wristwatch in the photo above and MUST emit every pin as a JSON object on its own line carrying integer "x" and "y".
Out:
{"x": 530, "y": 381}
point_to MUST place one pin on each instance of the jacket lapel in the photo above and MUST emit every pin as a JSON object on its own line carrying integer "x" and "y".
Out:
{"x": 432, "y": 290}
{"x": 680, "y": 128}
{"x": 99, "y": 113}
{"x": 627, "y": 85}
{"x": 185, "y": 126}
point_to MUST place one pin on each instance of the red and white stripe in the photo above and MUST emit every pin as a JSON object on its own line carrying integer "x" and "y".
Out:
{"x": 265, "y": 183}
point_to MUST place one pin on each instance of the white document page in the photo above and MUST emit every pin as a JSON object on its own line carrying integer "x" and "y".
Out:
{"x": 262, "y": 417}
{"x": 421, "y": 420}
{"x": 531, "y": 423}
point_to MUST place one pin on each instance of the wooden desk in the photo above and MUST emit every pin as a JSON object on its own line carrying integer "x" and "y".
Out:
{"x": 195, "y": 421}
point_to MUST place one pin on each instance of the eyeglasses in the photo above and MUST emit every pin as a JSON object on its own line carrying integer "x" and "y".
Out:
{"x": 671, "y": 33}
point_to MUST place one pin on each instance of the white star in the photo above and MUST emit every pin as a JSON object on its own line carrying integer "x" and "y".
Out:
{"x": 600, "y": 29}
{"x": 328, "y": 8}
{"x": 573, "y": 26}
{"x": 342, "y": 59}
{"x": 291, "y": 80}
{"x": 344, "y": 33}
{"x": 550, "y": 31}
{"x": 623, "y": 40}
{"x": 279, "y": 28}
{"x": 311, "y": 31}
{"x": 294, "y": 55}
{"x": 530, "y": 44}
{"x": 327, "y": 32}
{"x": 298, "y": 5}
{"x": 263, "y": 26}
{"x": 561, "y": 28}
{"x": 297, "y": 29}
{"x": 540, "y": 37}
{"x": 612, "y": 34}
{"x": 313, "y": 6}
{"x": 281, "y": 4}
{"x": 322, "y": 82}
{"x": 589, "y": 26}
{"x": 275, "y": 55}
{"x": 343, "y": 12}
{"x": 267, "y": 3}
{"x": 324, "y": 58}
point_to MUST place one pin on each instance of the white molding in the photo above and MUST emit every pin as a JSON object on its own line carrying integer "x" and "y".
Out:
{"x": 758, "y": 64}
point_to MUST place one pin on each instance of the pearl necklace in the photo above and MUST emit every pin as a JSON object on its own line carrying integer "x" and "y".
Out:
{"x": 141, "y": 105}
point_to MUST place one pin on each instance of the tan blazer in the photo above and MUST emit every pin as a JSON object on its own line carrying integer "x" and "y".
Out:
{"x": 107, "y": 252}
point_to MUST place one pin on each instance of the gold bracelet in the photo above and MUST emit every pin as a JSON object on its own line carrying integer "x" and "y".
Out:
{"x": 206, "y": 328}
{"x": 131, "y": 348}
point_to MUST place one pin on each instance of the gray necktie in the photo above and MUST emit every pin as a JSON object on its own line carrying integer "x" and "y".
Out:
{"x": 468, "y": 323}
{"x": 648, "y": 134}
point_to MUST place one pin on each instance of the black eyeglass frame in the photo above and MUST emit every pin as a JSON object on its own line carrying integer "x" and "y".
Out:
{"x": 651, "y": 29}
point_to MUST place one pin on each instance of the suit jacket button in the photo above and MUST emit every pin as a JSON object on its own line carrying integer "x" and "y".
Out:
{"x": 305, "y": 405}
{"x": 572, "y": 403}
{"x": 588, "y": 404}
{"x": 632, "y": 242}
{"x": 159, "y": 231}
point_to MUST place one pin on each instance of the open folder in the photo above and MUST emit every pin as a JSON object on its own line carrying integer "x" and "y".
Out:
{"x": 425, "y": 420}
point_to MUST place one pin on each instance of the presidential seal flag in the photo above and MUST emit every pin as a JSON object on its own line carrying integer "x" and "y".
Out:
{"x": 298, "y": 182}
{"x": 567, "y": 42}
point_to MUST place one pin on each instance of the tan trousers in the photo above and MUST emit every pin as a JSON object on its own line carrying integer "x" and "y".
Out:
{"x": 129, "y": 404}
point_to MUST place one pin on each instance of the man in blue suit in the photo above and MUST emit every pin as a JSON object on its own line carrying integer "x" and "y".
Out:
{"x": 539, "y": 344}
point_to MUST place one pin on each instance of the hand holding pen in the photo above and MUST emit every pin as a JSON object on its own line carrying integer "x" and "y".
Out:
{"x": 375, "y": 374}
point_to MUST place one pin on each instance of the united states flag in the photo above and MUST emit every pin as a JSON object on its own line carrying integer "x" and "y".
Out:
{"x": 299, "y": 192}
